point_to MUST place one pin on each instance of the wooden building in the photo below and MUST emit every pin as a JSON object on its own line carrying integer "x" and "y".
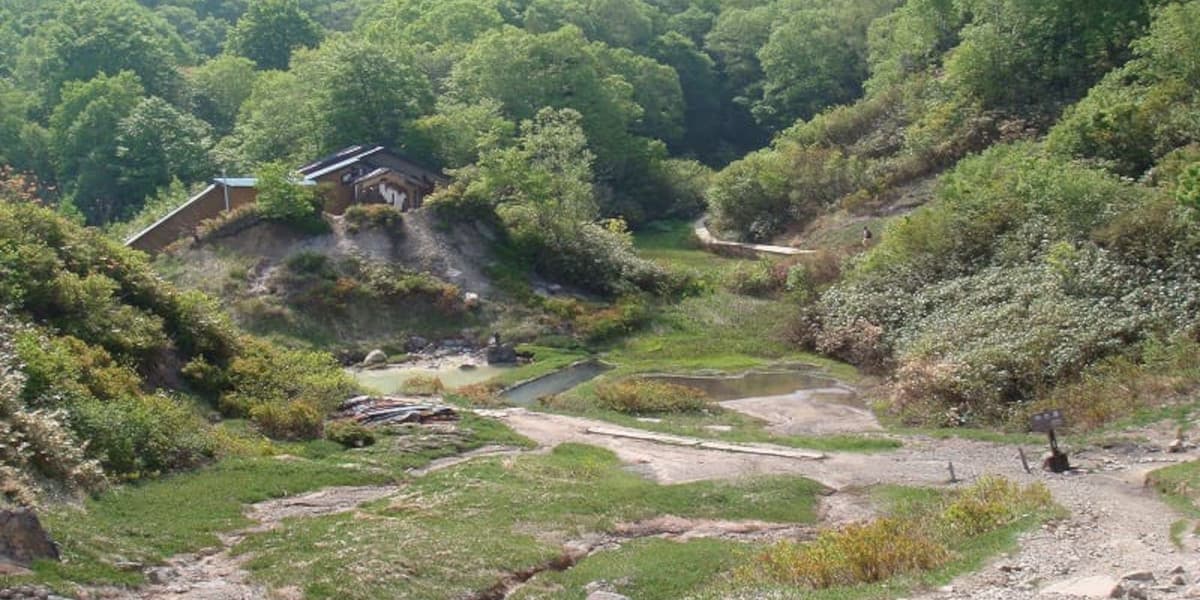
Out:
{"x": 354, "y": 175}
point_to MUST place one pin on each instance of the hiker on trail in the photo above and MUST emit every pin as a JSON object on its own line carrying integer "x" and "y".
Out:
{"x": 866, "y": 236}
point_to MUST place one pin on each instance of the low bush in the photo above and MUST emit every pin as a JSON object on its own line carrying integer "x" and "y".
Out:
{"x": 624, "y": 316}
{"x": 648, "y": 397}
{"x": 294, "y": 420}
{"x": 921, "y": 538}
{"x": 366, "y": 216}
{"x": 349, "y": 434}
{"x": 228, "y": 223}
{"x": 762, "y": 278}
{"x": 423, "y": 385}
{"x": 857, "y": 553}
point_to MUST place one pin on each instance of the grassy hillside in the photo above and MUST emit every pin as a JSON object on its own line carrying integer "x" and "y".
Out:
{"x": 109, "y": 373}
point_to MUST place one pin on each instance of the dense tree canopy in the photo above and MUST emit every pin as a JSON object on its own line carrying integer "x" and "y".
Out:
{"x": 270, "y": 30}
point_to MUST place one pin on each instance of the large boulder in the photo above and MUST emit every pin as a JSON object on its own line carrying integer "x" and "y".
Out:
{"x": 501, "y": 354}
{"x": 375, "y": 357}
{"x": 22, "y": 539}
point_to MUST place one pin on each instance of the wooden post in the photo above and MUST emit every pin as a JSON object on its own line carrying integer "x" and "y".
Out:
{"x": 1024, "y": 461}
{"x": 953, "y": 478}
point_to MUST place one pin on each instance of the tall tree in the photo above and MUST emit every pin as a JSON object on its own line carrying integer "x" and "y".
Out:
{"x": 85, "y": 39}
{"x": 157, "y": 143}
{"x": 814, "y": 59}
{"x": 363, "y": 92}
{"x": 83, "y": 136}
{"x": 527, "y": 72}
{"x": 269, "y": 32}
{"x": 219, "y": 88}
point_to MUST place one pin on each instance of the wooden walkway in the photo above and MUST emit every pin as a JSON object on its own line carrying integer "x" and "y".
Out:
{"x": 708, "y": 239}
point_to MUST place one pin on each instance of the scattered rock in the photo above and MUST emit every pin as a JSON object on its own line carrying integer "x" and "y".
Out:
{"x": 1176, "y": 446}
{"x": 1178, "y": 570}
{"x": 649, "y": 420}
{"x": 501, "y": 354}
{"x": 602, "y": 595}
{"x": 160, "y": 576}
{"x": 1178, "y": 580}
{"x": 467, "y": 367}
{"x": 1100, "y": 586}
{"x": 1138, "y": 576}
{"x": 719, "y": 428}
{"x": 1138, "y": 593}
{"x": 415, "y": 344}
{"x": 375, "y": 357}
{"x": 597, "y": 586}
{"x": 471, "y": 299}
{"x": 22, "y": 539}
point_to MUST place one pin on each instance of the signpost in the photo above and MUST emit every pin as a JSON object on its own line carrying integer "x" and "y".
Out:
{"x": 1048, "y": 421}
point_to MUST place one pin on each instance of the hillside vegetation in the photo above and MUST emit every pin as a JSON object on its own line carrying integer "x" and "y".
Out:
{"x": 1054, "y": 262}
{"x": 108, "y": 373}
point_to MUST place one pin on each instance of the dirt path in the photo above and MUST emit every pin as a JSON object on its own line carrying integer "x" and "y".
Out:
{"x": 1116, "y": 526}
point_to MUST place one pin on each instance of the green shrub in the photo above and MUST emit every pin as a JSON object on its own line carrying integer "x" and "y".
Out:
{"x": 647, "y": 397}
{"x": 311, "y": 264}
{"x": 142, "y": 435}
{"x": 294, "y": 420}
{"x": 857, "y": 553}
{"x": 349, "y": 434}
{"x": 423, "y": 385}
{"x": 624, "y": 316}
{"x": 991, "y": 503}
{"x": 282, "y": 198}
{"x": 921, "y": 538}
{"x": 366, "y": 216}
{"x": 759, "y": 279}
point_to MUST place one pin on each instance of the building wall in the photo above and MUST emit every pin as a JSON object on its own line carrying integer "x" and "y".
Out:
{"x": 338, "y": 196}
{"x": 205, "y": 205}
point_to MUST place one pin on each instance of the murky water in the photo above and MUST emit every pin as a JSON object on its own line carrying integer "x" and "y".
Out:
{"x": 392, "y": 379}
{"x": 554, "y": 383}
{"x": 750, "y": 385}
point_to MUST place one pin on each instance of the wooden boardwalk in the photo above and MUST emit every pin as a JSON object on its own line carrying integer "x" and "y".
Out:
{"x": 708, "y": 239}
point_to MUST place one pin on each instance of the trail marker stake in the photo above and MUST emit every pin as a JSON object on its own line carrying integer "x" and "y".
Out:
{"x": 1048, "y": 421}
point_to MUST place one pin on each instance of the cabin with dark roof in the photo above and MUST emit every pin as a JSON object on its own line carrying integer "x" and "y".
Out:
{"x": 353, "y": 175}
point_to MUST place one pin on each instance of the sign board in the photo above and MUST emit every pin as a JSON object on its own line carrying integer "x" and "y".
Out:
{"x": 1047, "y": 420}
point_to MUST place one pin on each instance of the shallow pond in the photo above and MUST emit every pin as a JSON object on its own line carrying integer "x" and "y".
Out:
{"x": 555, "y": 383}
{"x": 755, "y": 384}
{"x": 391, "y": 380}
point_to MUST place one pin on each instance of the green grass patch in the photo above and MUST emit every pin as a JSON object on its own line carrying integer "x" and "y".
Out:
{"x": 459, "y": 531}
{"x": 673, "y": 244}
{"x": 1179, "y": 486}
{"x": 650, "y": 569}
{"x": 546, "y": 360}
{"x": 721, "y": 331}
{"x": 150, "y": 521}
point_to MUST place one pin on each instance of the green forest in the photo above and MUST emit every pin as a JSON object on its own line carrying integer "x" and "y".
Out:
{"x": 989, "y": 208}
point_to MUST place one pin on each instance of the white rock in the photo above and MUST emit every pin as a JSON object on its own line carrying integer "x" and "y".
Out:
{"x": 602, "y": 595}
{"x": 1099, "y": 586}
{"x": 1138, "y": 576}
